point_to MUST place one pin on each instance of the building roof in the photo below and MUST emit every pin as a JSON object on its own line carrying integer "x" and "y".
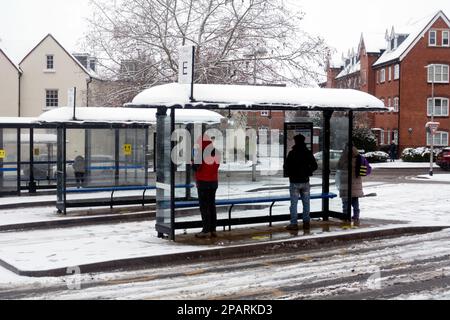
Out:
{"x": 90, "y": 73}
{"x": 210, "y": 96}
{"x": 350, "y": 69}
{"x": 10, "y": 61}
{"x": 373, "y": 42}
{"x": 418, "y": 31}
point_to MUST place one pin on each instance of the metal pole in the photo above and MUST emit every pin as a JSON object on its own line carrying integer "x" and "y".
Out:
{"x": 74, "y": 103}
{"x": 326, "y": 162}
{"x": 350, "y": 167}
{"x": 432, "y": 120}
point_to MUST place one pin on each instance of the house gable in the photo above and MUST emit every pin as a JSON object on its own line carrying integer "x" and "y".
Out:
{"x": 3, "y": 54}
{"x": 410, "y": 42}
{"x": 71, "y": 57}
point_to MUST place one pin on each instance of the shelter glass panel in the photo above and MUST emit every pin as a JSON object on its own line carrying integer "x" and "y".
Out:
{"x": 339, "y": 164}
{"x": 101, "y": 155}
{"x": 8, "y": 161}
{"x": 132, "y": 157}
{"x": 163, "y": 174}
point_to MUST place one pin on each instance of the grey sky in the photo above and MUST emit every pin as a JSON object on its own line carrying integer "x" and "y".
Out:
{"x": 23, "y": 23}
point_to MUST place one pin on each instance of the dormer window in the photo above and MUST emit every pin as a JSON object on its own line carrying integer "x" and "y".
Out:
{"x": 50, "y": 62}
{"x": 432, "y": 38}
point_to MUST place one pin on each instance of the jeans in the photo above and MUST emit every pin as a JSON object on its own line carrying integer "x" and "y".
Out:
{"x": 355, "y": 205}
{"x": 79, "y": 176}
{"x": 300, "y": 190}
{"x": 207, "y": 199}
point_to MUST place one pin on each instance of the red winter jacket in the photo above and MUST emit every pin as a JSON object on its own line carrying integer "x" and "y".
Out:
{"x": 208, "y": 171}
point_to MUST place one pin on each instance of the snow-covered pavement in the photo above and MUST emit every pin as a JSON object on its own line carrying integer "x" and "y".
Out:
{"x": 424, "y": 201}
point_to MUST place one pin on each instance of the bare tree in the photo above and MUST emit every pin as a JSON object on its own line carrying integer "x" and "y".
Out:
{"x": 237, "y": 41}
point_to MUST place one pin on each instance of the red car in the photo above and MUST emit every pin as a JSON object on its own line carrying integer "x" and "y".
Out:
{"x": 443, "y": 159}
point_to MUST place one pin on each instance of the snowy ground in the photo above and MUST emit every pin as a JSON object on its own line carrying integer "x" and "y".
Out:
{"x": 413, "y": 203}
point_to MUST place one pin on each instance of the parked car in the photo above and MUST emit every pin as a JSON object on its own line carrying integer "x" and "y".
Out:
{"x": 335, "y": 155}
{"x": 443, "y": 159}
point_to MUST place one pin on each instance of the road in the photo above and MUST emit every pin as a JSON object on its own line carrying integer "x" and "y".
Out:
{"x": 403, "y": 267}
{"x": 415, "y": 266}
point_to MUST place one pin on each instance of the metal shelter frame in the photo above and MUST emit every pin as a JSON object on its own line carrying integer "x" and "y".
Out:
{"x": 166, "y": 224}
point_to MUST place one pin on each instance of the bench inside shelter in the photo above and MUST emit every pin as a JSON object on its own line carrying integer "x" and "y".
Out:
{"x": 231, "y": 203}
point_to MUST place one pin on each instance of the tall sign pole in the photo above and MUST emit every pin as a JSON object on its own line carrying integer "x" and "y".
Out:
{"x": 187, "y": 68}
{"x": 71, "y": 101}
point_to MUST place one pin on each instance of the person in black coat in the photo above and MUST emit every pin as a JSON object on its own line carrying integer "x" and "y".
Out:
{"x": 300, "y": 166}
{"x": 393, "y": 151}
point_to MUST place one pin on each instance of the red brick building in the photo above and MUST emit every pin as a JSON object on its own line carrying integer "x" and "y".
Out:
{"x": 403, "y": 74}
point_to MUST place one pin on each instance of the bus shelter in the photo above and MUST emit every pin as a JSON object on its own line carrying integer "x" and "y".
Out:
{"x": 116, "y": 146}
{"x": 331, "y": 109}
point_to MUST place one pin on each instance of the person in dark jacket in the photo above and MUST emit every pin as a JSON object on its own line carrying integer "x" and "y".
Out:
{"x": 207, "y": 176}
{"x": 300, "y": 166}
{"x": 79, "y": 168}
{"x": 393, "y": 151}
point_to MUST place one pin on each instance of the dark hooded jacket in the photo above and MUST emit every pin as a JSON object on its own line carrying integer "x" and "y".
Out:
{"x": 300, "y": 164}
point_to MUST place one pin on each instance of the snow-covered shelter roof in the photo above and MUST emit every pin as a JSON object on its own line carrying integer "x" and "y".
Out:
{"x": 124, "y": 115}
{"x": 209, "y": 96}
{"x": 17, "y": 120}
{"x": 415, "y": 35}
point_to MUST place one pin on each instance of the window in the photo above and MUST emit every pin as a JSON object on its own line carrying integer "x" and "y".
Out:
{"x": 51, "y": 99}
{"x": 396, "y": 137}
{"x": 438, "y": 73}
{"x": 439, "y": 109}
{"x": 440, "y": 139}
{"x": 389, "y": 103}
{"x": 390, "y": 73}
{"x": 445, "y": 38}
{"x": 432, "y": 38}
{"x": 396, "y": 104}
{"x": 364, "y": 77}
{"x": 50, "y": 62}
{"x": 264, "y": 113}
{"x": 382, "y": 137}
{"x": 382, "y": 75}
{"x": 396, "y": 72}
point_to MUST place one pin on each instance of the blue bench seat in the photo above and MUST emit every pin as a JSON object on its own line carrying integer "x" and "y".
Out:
{"x": 245, "y": 201}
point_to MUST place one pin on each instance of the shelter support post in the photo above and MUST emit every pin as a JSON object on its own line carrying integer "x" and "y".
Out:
{"x": 61, "y": 170}
{"x": 19, "y": 162}
{"x": 190, "y": 129}
{"x": 348, "y": 214}
{"x": 165, "y": 174}
{"x": 146, "y": 158}
{"x": 32, "y": 183}
{"x": 326, "y": 163}
{"x": 116, "y": 156}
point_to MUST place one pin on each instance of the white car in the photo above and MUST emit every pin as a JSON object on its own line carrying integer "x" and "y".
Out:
{"x": 335, "y": 155}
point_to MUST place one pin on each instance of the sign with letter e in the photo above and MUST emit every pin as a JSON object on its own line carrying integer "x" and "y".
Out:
{"x": 186, "y": 65}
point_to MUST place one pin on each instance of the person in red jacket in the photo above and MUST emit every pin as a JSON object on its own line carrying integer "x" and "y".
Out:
{"x": 207, "y": 176}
